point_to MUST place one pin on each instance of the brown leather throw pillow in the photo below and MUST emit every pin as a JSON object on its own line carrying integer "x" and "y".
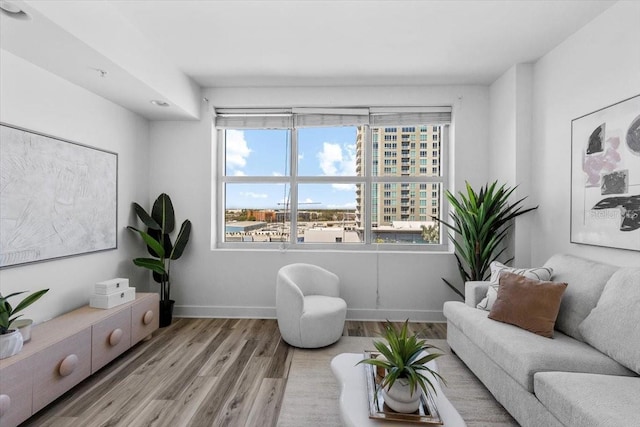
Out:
{"x": 527, "y": 303}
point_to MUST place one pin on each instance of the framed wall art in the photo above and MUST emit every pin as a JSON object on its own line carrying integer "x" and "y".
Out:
{"x": 57, "y": 198}
{"x": 605, "y": 176}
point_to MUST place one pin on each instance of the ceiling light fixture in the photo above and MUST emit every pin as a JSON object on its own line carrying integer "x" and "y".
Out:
{"x": 158, "y": 103}
{"x": 12, "y": 10}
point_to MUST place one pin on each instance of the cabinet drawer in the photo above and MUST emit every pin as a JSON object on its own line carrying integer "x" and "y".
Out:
{"x": 15, "y": 393}
{"x": 62, "y": 366}
{"x": 144, "y": 317}
{"x": 110, "y": 338}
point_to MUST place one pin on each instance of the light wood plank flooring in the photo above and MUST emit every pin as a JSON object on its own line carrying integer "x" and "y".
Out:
{"x": 197, "y": 372}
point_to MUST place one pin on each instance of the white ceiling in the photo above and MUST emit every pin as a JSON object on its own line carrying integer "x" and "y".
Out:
{"x": 161, "y": 48}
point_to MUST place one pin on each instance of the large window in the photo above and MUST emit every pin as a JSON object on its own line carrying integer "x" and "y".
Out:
{"x": 316, "y": 178}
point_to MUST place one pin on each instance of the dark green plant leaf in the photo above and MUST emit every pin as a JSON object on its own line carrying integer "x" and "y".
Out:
{"x": 155, "y": 246}
{"x": 160, "y": 278}
{"x": 181, "y": 240}
{"x": 453, "y": 288}
{"x": 30, "y": 300}
{"x": 151, "y": 264}
{"x": 163, "y": 213}
{"x": 145, "y": 217}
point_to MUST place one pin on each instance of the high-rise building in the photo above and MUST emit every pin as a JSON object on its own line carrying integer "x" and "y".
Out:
{"x": 411, "y": 151}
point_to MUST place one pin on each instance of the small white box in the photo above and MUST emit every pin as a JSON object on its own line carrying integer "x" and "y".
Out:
{"x": 114, "y": 299}
{"x": 110, "y": 286}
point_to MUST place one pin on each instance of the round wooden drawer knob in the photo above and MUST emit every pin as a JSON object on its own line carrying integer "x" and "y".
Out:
{"x": 5, "y": 403}
{"x": 148, "y": 317}
{"x": 68, "y": 365}
{"x": 115, "y": 337}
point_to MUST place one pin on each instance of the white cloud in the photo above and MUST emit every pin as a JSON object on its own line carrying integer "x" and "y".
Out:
{"x": 276, "y": 174}
{"x": 253, "y": 195}
{"x": 337, "y": 160}
{"x": 237, "y": 149}
{"x": 239, "y": 173}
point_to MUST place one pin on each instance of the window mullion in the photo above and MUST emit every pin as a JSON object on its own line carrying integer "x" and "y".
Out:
{"x": 293, "y": 189}
{"x": 367, "y": 190}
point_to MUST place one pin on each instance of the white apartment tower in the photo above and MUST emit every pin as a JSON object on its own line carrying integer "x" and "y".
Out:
{"x": 406, "y": 151}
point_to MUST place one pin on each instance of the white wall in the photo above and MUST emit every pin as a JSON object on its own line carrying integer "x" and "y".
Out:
{"x": 241, "y": 282}
{"x": 35, "y": 99}
{"x": 596, "y": 67}
{"x": 510, "y": 150}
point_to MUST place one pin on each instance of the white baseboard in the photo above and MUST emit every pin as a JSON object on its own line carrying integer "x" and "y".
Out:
{"x": 270, "y": 313}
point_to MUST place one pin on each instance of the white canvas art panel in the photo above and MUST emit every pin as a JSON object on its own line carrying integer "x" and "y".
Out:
{"x": 57, "y": 198}
{"x": 605, "y": 176}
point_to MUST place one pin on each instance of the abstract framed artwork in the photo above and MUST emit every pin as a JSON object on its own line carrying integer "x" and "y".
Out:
{"x": 57, "y": 198}
{"x": 605, "y": 176}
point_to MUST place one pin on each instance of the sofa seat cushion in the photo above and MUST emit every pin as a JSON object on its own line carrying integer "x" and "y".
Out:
{"x": 586, "y": 280}
{"x": 589, "y": 400}
{"x": 613, "y": 327}
{"x": 521, "y": 353}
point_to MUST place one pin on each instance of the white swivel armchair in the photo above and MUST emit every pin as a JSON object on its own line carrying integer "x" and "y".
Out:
{"x": 309, "y": 309}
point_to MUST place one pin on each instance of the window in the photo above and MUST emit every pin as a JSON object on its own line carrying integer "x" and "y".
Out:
{"x": 306, "y": 178}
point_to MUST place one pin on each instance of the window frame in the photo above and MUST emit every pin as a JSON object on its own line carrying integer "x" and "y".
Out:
{"x": 367, "y": 179}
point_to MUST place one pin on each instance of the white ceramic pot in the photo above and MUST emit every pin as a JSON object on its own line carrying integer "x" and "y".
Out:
{"x": 10, "y": 344}
{"x": 24, "y": 326}
{"x": 400, "y": 399}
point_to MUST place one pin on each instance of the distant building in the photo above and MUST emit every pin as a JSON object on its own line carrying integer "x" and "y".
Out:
{"x": 244, "y": 226}
{"x": 262, "y": 215}
{"x": 402, "y": 151}
{"x": 330, "y": 235}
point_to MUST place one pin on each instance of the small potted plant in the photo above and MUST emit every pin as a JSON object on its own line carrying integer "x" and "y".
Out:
{"x": 403, "y": 366}
{"x": 160, "y": 224}
{"x": 11, "y": 339}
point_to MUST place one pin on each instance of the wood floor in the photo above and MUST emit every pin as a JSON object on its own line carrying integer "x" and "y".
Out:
{"x": 197, "y": 372}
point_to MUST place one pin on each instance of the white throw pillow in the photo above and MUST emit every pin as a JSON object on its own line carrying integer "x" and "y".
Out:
{"x": 537, "y": 273}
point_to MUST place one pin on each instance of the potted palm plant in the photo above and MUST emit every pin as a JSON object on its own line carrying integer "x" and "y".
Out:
{"x": 403, "y": 362}
{"x": 160, "y": 224}
{"x": 11, "y": 339}
{"x": 481, "y": 222}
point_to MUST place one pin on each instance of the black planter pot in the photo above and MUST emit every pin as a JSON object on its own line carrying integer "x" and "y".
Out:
{"x": 166, "y": 312}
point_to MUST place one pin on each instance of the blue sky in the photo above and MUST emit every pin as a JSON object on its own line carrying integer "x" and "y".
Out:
{"x": 321, "y": 152}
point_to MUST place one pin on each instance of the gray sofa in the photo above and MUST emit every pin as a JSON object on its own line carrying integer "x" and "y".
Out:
{"x": 586, "y": 375}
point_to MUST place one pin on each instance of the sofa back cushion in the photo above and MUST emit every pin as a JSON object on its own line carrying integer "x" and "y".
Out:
{"x": 586, "y": 280}
{"x": 613, "y": 327}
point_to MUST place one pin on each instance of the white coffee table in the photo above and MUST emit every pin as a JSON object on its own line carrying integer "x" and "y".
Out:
{"x": 354, "y": 404}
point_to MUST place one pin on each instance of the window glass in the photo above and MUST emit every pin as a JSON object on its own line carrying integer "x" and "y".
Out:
{"x": 257, "y": 152}
{"x": 257, "y": 212}
{"x": 327, "y": 213}
{"x": 312, "y": 186}
{"x": 327, "y": 151}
